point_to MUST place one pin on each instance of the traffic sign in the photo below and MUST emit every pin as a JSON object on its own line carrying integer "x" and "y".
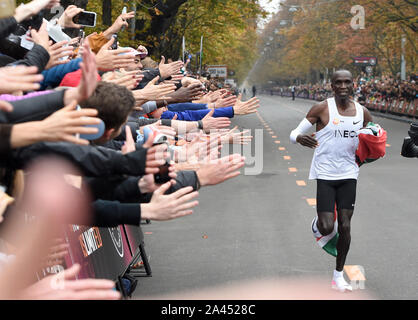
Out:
{"x": 218, "y": 71}
{"x": 365, "y": 61}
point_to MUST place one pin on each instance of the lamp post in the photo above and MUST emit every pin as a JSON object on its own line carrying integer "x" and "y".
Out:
{"x": 403, "y": 63}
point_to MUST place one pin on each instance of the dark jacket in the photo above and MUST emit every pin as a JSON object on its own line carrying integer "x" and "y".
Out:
{"x": 110, "y": 214}
{"x": 91, "y": 160}
{"x": 7, "y": 26}
{"x": 34, "y": 108}
{"x": 125, "y": 189}
{"x": 149, "y": 74}
{"x": 5, "y": 132}
{"x": 37, "y": 56}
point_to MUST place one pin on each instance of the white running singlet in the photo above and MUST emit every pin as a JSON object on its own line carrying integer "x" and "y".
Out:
{"x": 334, "y": 158}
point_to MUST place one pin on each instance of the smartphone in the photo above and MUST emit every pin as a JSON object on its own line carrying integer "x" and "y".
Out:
{"x": 82, "y": 35}
{"x": 85, "y": 18}
{"x": 162, "y": 176}
{"x": 124, "y": 10}
{"x": 114, "y": 46}
{"x": 79, "y": 43}
{"x": 7, "y": 8}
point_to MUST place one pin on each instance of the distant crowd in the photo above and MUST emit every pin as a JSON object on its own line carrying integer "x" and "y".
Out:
{"x": 385, "y": 87}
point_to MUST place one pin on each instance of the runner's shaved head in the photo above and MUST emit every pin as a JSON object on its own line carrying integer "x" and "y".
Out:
{"x": 343, "y": 73}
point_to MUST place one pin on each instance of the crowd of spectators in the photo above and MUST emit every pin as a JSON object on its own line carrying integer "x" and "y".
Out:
{"x": 384, "y": 87}
{"x": 387, "y": 88}
{"x": 86, "y": 128}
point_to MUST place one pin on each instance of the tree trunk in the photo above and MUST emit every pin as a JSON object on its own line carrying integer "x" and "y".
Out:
{"x": 107, "y": 12}
{"x": 160, "y": 25}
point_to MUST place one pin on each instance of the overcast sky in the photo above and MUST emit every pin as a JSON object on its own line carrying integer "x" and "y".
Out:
{"x": 271, "y": 6}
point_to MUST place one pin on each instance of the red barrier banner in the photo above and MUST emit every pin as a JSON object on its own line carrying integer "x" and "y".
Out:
{"x": 101, "y": 252}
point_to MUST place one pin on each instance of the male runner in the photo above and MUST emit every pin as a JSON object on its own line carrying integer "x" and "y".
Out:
{"x": 334, "y": 163}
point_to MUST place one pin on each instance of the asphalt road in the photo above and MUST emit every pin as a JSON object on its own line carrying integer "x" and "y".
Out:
{"x": 258, "y": 226}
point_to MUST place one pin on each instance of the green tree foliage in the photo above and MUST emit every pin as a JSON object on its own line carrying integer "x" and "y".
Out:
{"x": 228, "y": 27}
{"x": 312, "y": 37}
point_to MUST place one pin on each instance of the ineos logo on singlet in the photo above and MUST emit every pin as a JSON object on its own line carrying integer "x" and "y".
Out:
{"x": 345, "y": 134}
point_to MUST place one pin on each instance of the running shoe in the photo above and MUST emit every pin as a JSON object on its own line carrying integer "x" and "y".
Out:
{"x": 315, "y": 230}
{"x": 339, "y": 283}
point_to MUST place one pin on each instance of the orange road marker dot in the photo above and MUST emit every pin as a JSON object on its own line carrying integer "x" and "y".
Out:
{"x": 277, "y": 142}
{"x": 287, "y": 157}
{"x": 204, "y": 236}
{"x": 301, "y": 183}
{"x": 282, "y": 148}
{"x": 274, "y": 137}
{"x": 311, "y": 201}
{"x": 293, "y": 170}
{"x": 388, "y": 145}
{"x": 354, "y": 273}
{"x": 147, "y": 232}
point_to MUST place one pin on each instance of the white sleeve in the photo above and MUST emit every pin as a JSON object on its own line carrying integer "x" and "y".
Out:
{"x": 302, "y": 128}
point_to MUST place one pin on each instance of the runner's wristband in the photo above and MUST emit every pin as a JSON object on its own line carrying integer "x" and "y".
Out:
{"x": 302, "y": 128}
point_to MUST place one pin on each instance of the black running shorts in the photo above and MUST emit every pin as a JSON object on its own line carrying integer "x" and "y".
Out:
{"x": 331, "y": 192}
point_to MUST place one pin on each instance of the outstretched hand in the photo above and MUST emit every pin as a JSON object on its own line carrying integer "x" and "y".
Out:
{"x": 63, "y": 286}
{"x": 236, "y": 137}
{"x": 108, "y": 59}
{"x": 217, "y": 171}
{"x": 210, "y": 122}
{"x": 156, "y": 156}
{"x": 64, "y": 124}
{"x": 153, "y": 92}
{"x": 169, "y": 69}
{"x": 19, "y": 78}
{"x": 167, "y": 207}
{"x": 88, "y": 67}
{"x": 247, "y": 107}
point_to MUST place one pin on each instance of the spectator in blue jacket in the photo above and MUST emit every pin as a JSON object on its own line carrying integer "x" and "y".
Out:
{"x": 240, "y": 108}
{"x": 54, "y": 76}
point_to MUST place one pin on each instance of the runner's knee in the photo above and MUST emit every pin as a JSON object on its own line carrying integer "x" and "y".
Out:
{"x": 344, "y": 228}
{"x": 344, "y": 223}
{"x": 325, "y": 227}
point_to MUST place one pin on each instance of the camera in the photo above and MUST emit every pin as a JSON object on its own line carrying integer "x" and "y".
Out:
{"x": 34, "y": 22}
{"x": 410, "y": 144}
{"x": 159, "y": 138}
